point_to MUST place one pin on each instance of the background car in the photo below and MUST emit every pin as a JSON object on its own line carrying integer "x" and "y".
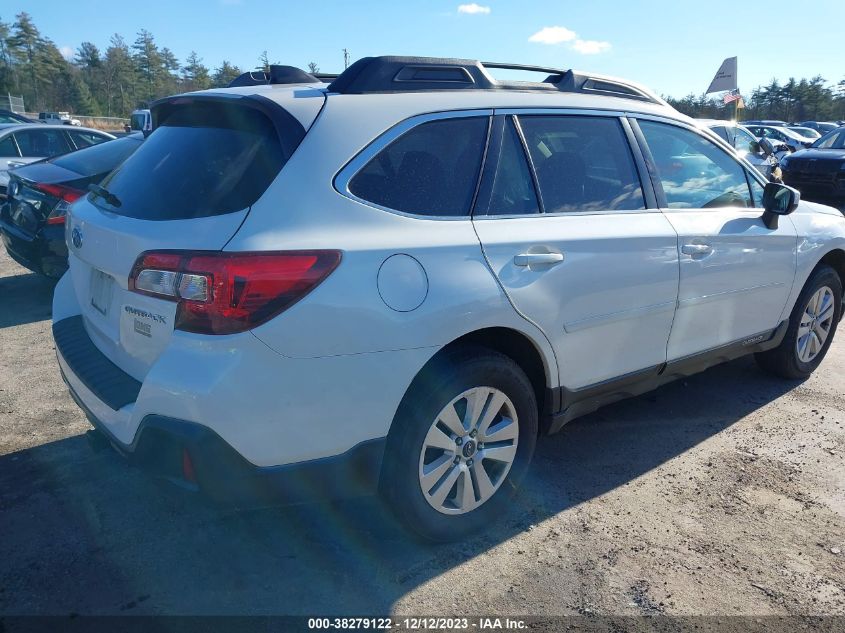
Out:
{"x": 7, "y": 116}
{"x": 764, "y": 122}
{"x": 32, "y": 220}
{"x": 805, "y": 131}
{"x": 823, "y": 127}
{"x": 780, "y": 133}
{"x": 62, "y": 118}
{"x": 820, "y": 169}
{"x": 25, "y": 143}
{"x": 745, "y": 144}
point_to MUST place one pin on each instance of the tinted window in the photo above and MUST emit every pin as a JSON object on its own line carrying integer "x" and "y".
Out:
{"x": 98, "y": 159}
{"x": 694, "y": 172}
{"x": 204, "y": 159}
{"x": 87, "y": 139}
{"x": 8, "y": 148}
{"x": 430, "y": 170}
{"x": 582, "y": 163}
{"x": 42, "y": 143}
{"x": 513, "y": 189}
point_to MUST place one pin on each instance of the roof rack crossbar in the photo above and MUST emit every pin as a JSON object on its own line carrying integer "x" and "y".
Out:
{"x": 412, "y": 74}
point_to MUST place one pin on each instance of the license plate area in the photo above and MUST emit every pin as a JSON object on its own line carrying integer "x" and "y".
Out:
{"x": 102, "y": 287}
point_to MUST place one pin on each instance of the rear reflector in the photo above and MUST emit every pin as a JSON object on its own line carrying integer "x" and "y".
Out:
{"x": 224, "y": 293}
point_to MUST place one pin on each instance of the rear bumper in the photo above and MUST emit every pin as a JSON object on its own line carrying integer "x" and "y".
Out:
{"x": 161, "y": 446}
{"x": 219, "y": 471}
{"x": 44, "y": 253}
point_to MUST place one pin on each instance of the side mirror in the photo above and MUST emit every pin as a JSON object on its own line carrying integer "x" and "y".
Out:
{"x": 767, "y": 147}
{"x": 756, "y": 148}
{"x": 778, "y": 200}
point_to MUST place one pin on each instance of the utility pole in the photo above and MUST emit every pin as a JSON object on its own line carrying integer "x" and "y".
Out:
{"x": 345, "y": 59}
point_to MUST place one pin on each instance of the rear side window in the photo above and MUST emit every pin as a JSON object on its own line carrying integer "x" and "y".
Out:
{"x": 582, "y": 164}
{"x": 204, "y": 159}
{"x": 42, "y": 143}
{"x": 87, "y": 139}
{"x": 8, "y": 149}
{"x": 100, "y": 158}
{"x": 430, "y": 170}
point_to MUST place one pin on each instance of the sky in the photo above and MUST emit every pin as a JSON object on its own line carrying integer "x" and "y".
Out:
{"x": 673, "y": 47}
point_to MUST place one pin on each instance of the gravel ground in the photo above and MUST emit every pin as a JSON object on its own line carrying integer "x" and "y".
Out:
{"x": 722, "y": 494}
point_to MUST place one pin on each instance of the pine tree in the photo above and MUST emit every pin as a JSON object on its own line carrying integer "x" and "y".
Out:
{"x": 224, "y": 75}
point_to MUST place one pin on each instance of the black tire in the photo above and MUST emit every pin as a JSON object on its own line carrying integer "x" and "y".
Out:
{"x": 783, "y": 360}
{"x": 444, "y": 379}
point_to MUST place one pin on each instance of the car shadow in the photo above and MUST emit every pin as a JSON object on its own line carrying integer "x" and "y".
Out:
{"x": 25, "y": 298}
{"x": 83, "y": 532}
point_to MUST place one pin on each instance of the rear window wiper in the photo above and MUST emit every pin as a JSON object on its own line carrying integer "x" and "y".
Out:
{"x": 105, "y": 194}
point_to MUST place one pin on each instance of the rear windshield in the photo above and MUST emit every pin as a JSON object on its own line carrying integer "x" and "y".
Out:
{"x": 98, "y": 159}
{"x": 138, "y": 121}
{"x": 204, "y": 159}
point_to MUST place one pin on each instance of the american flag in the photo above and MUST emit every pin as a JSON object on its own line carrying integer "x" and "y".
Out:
{"x": 732, "y": 96}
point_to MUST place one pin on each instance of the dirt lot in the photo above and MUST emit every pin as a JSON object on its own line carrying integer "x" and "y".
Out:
{"x": 719, "y": 495}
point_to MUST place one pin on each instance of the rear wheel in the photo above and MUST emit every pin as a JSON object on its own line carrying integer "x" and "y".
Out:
{"x": 460, "y": 443}
{"x": 812, "y": 326}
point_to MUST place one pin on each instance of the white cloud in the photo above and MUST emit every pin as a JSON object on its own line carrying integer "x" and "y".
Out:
{"x": 67, "y": 52}
{"x": 553, "y": 35}
{"x": 473, "y": 9}
{"x": 590, "y": 47}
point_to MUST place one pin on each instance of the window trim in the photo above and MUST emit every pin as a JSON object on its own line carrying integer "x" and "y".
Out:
{"x": 750, "y": 170}
{"x": 346, "y": 173}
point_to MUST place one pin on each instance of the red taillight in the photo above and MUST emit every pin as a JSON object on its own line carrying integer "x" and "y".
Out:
{"x": 224, "y": 293}
{"x": 66, "y": 195}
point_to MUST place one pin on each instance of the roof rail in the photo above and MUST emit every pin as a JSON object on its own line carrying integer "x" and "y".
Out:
{"x": 411, "y": 74}
{"x": 278, "y": 75}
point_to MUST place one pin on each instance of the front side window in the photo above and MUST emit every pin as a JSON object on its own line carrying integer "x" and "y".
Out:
{"x": 756, "y": 191}
{"x": 694, "y": 172}
{"x": 582, "y": 163}
{"x": 42, "y": 143}
{"x": 430, "y": 170}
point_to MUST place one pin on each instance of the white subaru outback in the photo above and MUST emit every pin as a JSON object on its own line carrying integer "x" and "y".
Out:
{"x": 396, "y": 281}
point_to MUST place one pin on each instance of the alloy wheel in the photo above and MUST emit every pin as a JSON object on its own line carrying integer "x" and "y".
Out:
{"x": 468, "y": 450}
{"x": 816, "y": 324}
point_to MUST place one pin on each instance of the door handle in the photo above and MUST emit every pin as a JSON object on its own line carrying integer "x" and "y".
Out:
{"x": 696, "y": 249}
{"x": 537, "y": 259}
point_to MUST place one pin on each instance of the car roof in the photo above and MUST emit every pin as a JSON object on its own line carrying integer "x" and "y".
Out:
{"x": 5, "y": 127}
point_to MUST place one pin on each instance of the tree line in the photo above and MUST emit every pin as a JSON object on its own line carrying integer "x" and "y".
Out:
{"x": 110, "y": 82}
{"x": 124, "y": 76}
{"x": 796, "y": 100}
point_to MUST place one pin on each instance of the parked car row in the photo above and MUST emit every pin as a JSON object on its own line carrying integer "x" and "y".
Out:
{"x": 32, "y": 221}
{"x": 22, "y": 143}
{"x": 395, "y": 282}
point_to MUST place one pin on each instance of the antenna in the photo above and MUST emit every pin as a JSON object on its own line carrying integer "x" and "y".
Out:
{"x": 345, "y": 59}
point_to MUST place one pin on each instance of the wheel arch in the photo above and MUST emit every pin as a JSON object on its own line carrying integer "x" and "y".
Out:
{"x": 836, "y": 260}
{"x": 527, "y": 353}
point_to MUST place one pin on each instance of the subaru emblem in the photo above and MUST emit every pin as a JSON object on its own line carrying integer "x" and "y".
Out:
{"x": 76, "y": 237}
